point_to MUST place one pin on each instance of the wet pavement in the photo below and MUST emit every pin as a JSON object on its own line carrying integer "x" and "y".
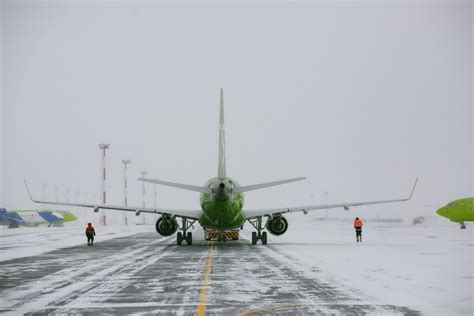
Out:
{"x": 146, "y": 274}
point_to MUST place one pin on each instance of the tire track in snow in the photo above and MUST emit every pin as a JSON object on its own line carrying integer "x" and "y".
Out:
{"x": 38, "y": 294}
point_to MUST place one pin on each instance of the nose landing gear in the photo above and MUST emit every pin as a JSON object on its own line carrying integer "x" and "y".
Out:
{"x": 185, "y": 235}
{"x": 222, "y": 237}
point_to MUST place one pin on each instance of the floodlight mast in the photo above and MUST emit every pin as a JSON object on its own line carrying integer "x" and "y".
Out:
{"x": 43, "y": 186}
{"x": 125, "y": 162}
{"x": 103, "y": 148}
{"x": 326, "y": 202}
{"x": 56, "y": 189}
{"x": 156, "y": 196}
{"x": 143, "y": 174}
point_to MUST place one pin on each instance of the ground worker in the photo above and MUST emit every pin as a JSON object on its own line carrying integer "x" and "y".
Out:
{"x": 358, "y": 227}
{"x": 90, "y": 233}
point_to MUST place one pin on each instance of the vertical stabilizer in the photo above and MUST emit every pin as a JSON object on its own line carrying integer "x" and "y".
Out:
{"x": 221, "y": 169}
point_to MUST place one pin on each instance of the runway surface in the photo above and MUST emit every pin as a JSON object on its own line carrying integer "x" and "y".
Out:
{"x": 145, "y": 274}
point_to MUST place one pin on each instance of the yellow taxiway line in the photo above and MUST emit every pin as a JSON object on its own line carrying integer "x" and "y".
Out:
{"x": 201, "y": 307}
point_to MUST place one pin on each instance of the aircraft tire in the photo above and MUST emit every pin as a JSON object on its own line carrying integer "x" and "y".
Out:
{"x": 264, "y": 238}
{"x": 189, "y": 239}
{"x": 179, "y": 238}
{"x": 254, "y": 238}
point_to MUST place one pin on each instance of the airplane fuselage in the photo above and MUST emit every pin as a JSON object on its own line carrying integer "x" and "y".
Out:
{"x": 221, "y": 209}
{"x": 458, "y": 211}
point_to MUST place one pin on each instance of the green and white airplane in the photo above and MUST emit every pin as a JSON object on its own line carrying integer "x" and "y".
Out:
{"x": 222, "y": 205}
{"x": 458, "y": 211}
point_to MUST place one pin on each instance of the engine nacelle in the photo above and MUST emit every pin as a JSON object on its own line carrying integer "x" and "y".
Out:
{"x": 277, "y": 225}
{"x": 166, "y": 226}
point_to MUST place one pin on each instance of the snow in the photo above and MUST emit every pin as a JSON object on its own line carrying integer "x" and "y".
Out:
{"x": 30, "y": 241}
{"x": 425, "y": 267}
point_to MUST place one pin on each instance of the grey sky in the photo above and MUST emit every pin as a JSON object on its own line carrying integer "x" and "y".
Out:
{"x": 360, "y": 97}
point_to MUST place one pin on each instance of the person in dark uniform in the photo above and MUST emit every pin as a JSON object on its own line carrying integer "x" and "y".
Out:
{"x": 90, "y": 233}
{"x": 358, "y": 228}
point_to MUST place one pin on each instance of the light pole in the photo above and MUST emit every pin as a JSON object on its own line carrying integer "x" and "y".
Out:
{"x": 56, "y": 189}
{"x": 143, "y": 173}
{"x": 156, "y": 196}
{"x": 84, "y": 211}
{"x": 326, "y": 202}
{"x": 103, "y": 148}
{"x": 44, "y": 191}
{"x": 78, "y": 210}
{"x": 125, "y": 202}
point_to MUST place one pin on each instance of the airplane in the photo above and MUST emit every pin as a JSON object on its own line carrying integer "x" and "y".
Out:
{"x": 32, "y": 218}
{"x": 458, "y": 211}
{"x": 12, "y": 219}
{"x": 222, "y": 204}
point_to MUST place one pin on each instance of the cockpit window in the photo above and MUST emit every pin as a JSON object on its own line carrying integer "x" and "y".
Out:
{"x": 452, "y": 204}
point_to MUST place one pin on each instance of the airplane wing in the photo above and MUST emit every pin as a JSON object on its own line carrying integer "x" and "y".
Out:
{"x": 251, "y": 214}
{"x": 191, "y": 214}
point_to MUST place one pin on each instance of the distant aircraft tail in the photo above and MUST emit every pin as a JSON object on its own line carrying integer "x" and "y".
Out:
{"x": 221, "y": 170}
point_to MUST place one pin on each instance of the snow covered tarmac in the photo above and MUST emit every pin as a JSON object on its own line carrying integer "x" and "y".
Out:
{"x": 317, "y": 268}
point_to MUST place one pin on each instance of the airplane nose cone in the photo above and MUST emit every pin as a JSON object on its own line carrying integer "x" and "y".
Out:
{"x": 441, "y": 212}
{"x": 222, "y": 185}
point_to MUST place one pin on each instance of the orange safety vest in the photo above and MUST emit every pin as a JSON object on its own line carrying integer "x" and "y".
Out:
{"x": 358, "y": 223}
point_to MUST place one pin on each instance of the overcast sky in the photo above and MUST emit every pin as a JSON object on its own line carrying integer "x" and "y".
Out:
{"x": 360, "y": 97}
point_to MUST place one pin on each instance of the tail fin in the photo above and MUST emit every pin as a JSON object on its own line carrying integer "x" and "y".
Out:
{"x": 221, "y": 171}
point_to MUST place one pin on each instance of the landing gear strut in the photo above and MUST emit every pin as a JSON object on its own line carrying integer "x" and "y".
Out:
{"x": 185, "y": 235}
{"x": 222, "y": 237}
{"x": 258, "y": 235}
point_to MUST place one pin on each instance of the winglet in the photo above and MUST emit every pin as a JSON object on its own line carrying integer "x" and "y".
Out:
{"x": 413, "y": 190}
{"x": 28, "y": 190}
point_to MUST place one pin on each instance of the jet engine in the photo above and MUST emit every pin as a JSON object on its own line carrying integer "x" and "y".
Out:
{"x": 277, "y": 225}
{"x": 166, "y": 226}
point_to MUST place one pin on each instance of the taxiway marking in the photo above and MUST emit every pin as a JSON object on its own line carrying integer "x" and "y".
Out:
{"x": 201, "y": 308}
{"x": 266, "y": 309}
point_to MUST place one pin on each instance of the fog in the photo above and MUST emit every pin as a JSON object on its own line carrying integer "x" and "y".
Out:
{"x": 359, "y": 97}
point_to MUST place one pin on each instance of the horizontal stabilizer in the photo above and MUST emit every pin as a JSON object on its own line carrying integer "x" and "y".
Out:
{"x": 178, "y": 185}
{"x": 265, "y": 185}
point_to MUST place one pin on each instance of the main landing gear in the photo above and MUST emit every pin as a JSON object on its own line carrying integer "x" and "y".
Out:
{"x": 258, "y": 235}
{"x": 185, "y": 235}
{"x": 463, "y": 226}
